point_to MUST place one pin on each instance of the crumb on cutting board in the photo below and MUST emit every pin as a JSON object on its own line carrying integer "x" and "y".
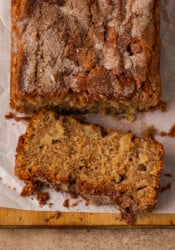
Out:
{"x": 42, "y": 198}
{"x": 75, "y": 203}
{"x": 166, "y": 187}
{"x": 171, "y": 132}
{"x": 66, "y": 203}
{"x": 50, "y": 204}
{"x": 87, "y": 203}
{"x": 163, "y": 106}
{"x": 13, "y": 116}
{"x": 9, "y": 116}
{"x": 56, "y": 216}
{"x": 163, "y": 133}
{"x": 168, "y": 175}
{"x": 150, "y": 131}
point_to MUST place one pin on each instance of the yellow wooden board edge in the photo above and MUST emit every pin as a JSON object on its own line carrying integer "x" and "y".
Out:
{"x": 20, "y": 218}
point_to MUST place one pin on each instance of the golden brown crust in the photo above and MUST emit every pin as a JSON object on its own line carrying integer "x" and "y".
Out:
{"x": 97, "y": 163}
{"x": 114, "y": 61}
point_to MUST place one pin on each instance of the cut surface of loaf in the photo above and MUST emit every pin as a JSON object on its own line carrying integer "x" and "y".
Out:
{"x": 99, "y": 164}
{"x": 85, "y": 55}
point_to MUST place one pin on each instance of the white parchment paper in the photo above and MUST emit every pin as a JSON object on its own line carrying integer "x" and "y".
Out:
{"x": 10, "y": 186}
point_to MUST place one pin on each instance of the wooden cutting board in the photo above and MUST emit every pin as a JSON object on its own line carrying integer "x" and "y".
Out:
{"x": 20, "y": 218}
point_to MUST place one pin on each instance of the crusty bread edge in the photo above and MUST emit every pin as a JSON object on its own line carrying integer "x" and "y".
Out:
{"x": 18, "y": 11}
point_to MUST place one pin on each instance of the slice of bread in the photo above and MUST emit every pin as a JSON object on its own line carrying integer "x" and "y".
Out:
{"x": 99, "y": 164}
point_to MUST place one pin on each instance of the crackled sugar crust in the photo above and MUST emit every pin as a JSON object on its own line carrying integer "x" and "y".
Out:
{"x": 99, "y": 164}
{"x": 85, "y": 54}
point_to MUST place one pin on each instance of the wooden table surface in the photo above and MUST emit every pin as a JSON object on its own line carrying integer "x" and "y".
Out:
{"x": 91, "y": 239}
